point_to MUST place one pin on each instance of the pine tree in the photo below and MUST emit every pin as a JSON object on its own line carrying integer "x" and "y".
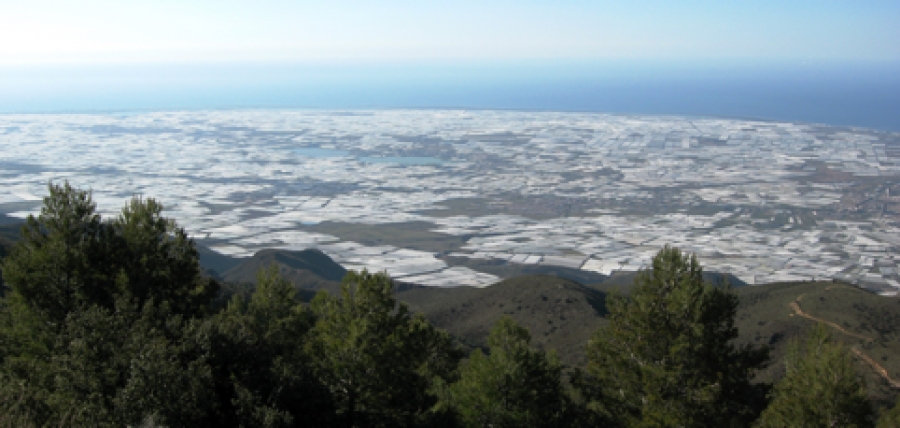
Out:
{"x": 62, "y": 262}
{"x": 94, "y": 325}
{"x": 256, "y": 350}
{"x": 820, "y": 387}
{"x": 890, "y": 418}
{"x": 513, "y": 386}
{"x": 667, "y": 356}
{"x": 70, "y": 259}
{"x": 377, "y": 359}
{"x": 158, "y": 260}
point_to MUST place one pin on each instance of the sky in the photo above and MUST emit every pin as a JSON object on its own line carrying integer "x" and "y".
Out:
{"x": 828, "y": 61}
{"x": 115, "y": 31}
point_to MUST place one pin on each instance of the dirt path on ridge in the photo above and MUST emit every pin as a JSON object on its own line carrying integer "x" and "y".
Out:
{"x": 881, "y": 371}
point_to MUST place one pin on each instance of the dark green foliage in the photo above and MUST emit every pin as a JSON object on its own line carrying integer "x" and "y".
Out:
{"x": 109, "y": 368}
{"x": 560, "y": 314}
{"x": 112, "y": 323}
{"x": 376, "y": 358}
{"x": 766, "y": 317}
{"x": 890, "y": 418}
{"x": 69, "y": 259}
{"x": 61, "y": 263}
{"x": 667, "y": 358}
{"x": 5, "y": 246}
{"x": 256, "y": 352}
{"x": 821, "y": 387}
{"x": 94, "y": 329}
{"x": 157, "y": 260}
{"x": 318, "y": 267}
{"x": 214, "y": 262}
{"x": 513, "y": 386}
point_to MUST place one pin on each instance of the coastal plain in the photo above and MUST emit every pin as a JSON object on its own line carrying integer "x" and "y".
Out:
{"x": 431, "y": 195}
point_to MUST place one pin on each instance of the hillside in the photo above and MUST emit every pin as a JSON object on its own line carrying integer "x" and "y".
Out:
{"x": 309, "y": 269}
{"x": 870, "y": 324}
{"x": 625, "y": 279}
{"x": 9, "y": 231}
{"x": 5, "y": 248}
{"x": 560, "y": 314}
{"x": 507, "y": 270}
{"x": 214, "y": 263}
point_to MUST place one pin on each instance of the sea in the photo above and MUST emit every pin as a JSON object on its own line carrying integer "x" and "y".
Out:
{"x": 857, "y": 94}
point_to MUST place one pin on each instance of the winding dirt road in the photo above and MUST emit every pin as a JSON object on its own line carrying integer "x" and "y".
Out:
{"x": 881, "y": 371}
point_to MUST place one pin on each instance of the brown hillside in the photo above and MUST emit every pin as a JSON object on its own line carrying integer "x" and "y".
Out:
{"x": 560, "y": 314}
{"x": 563, "y": 314}
{"x": 309, "y": 269}
{"x": 867, "y": 323}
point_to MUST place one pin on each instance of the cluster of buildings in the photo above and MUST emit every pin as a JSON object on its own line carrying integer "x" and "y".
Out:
{"x": 746, "y": 196}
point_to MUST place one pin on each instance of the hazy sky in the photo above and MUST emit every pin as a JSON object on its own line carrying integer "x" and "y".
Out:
{"x": 101, "y": 31}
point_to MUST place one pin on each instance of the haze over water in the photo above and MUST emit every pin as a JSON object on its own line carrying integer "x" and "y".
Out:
{"x": 861, "y": 95}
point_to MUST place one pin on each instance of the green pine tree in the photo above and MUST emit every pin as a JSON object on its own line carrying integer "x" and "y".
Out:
{"x": 377, "y": 359}
{"x": 158, "y": 260}
{"x": 94, "y": 327}
{"x": 667, "y": 356}
{"x": 513, "y": 386}
{"x": 890, "y": 418}
{"x": 256, "y": 350}
{"x": 62, "y": 262}
{"x": 820, "y": 388}
{"x": 69, "y": 259}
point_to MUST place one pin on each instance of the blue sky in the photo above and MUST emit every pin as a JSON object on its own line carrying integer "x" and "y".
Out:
{"x": 827, "y": 61}
{"x": 116, "y": 31}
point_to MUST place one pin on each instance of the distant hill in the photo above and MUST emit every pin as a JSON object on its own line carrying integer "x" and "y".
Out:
{"x": 560, "y": 314}
{"x": 310, "y": 269}
{"x": 867, "y": 322}
{"x": 505, "y": 269}
{"x": 214, "y": 263}
{"x": 626, "y": 279}
{"x": 9, "y": 234}
{"x": 5, "y": 247}
{"x": 10, "y": 231}
{"x": 563, "y": 314}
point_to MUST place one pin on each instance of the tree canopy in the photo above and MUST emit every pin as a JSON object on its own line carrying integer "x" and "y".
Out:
{"x": 667, "y": 356}
{"x": 890, "y": 418}
{"x": 110, "y": 322}
{"x": 69, "y": 258}
{"x": 377, "y": 359}
{"x": 96, "y": 320}
{"x": 513, "y": 386}
{"x": 820, "y": 387}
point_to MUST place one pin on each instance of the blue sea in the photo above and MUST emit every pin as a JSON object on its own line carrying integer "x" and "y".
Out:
{"x": 863, "y": 95}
